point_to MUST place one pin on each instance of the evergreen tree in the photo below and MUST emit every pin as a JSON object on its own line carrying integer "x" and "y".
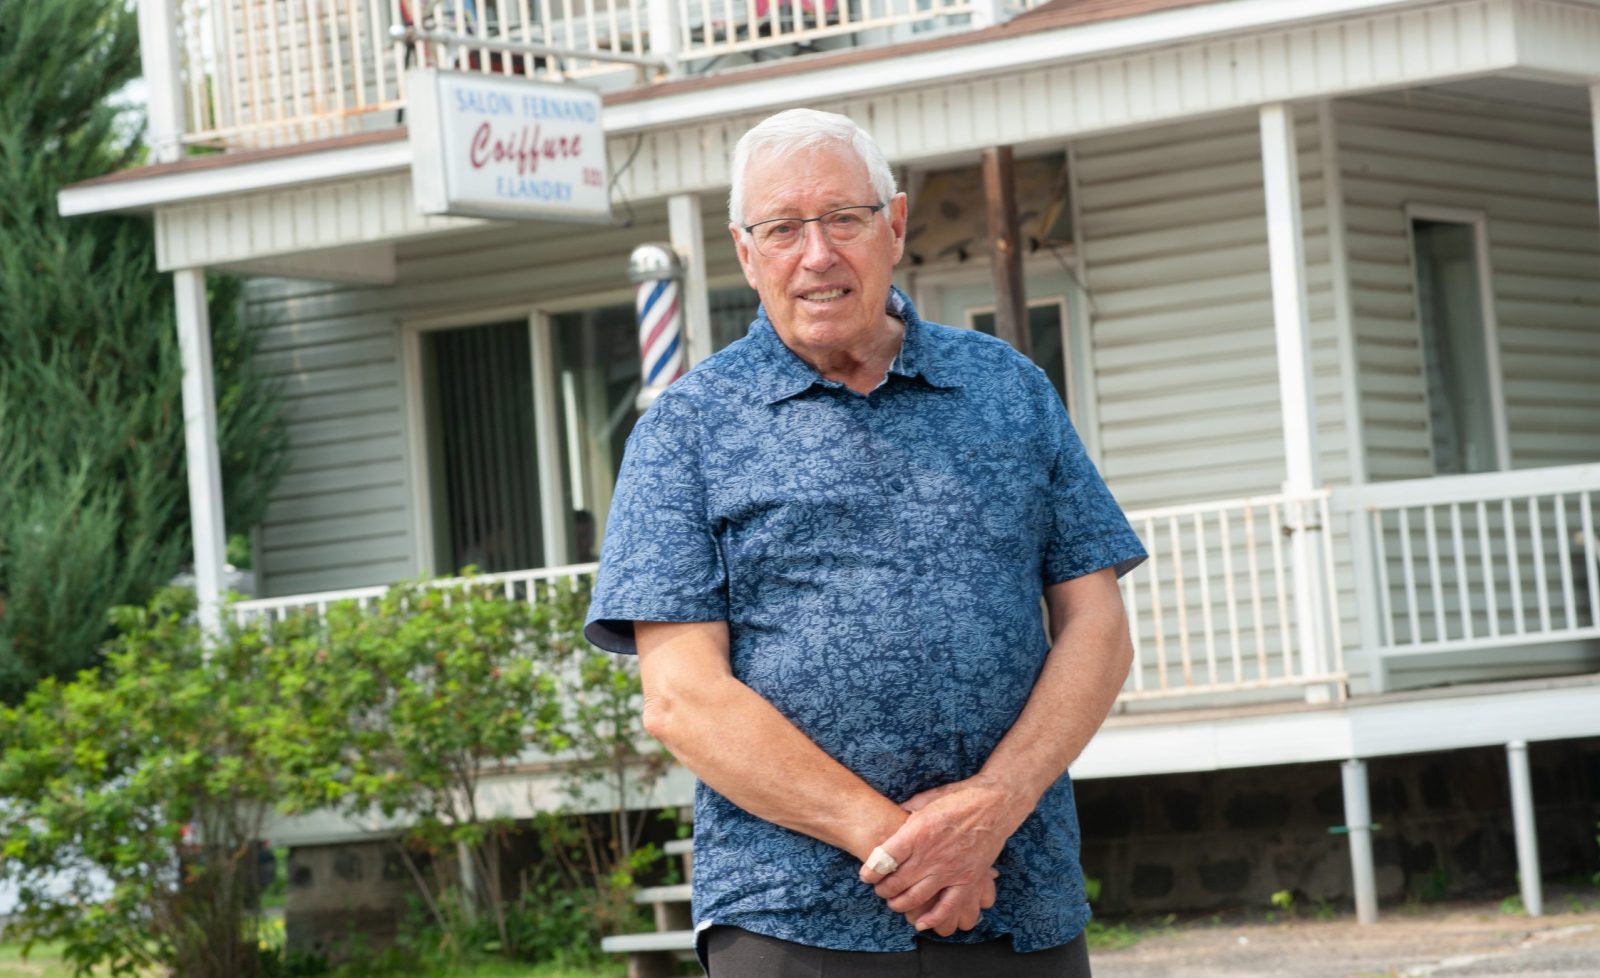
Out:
{"x": 93, "y": 490}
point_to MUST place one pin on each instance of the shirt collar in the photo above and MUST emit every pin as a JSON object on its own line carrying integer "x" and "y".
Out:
{"x": 789, "y": 375}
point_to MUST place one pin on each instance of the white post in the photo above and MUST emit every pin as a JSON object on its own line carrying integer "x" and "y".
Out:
{"x": 662, "y": 17}
{"x": 1086, "y": 416}
{"x": 547, "y": 432}
{"x": 200, "y": 443}
{"x": 1594, "y": 125}
{"x": 987, "y": 13}
{"x": 1286, "y": 255}
{"x": 161, "y": 56}
{"x": 1358, "y": 823}
{"x": 689, "y": 241}
{"x": 1527, "y": 835}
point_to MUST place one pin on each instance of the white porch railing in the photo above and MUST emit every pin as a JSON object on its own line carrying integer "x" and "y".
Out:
{"x": 1482, "y": 561}
{"x": 259, "y": 73}
{"x": 532, "y": 586}
{"x": 1213, "y": 609}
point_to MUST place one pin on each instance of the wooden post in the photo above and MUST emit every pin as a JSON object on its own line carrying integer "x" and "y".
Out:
{"x": 1005, "y": 246}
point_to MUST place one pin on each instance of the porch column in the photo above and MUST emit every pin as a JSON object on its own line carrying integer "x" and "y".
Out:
{"x": 159, "y": 56}
{"x": 689, "y": 241}
{"x": 1358, "y": 824}
{"x": 1286, "y": 255}
{"x": 1527, "y": 835}
{"x": 200, "y": 443}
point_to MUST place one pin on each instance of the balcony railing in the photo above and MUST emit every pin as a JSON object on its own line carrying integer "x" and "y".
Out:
{"x": 273, "y": 72}
{"x": 1482, "y": 561}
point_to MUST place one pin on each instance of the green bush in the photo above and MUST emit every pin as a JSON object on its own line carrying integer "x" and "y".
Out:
{"x": 143, "y": 786}
{"x": 158, "y": 770}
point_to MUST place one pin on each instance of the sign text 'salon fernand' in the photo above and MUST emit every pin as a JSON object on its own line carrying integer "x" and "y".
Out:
{"x": 509, "y": 148}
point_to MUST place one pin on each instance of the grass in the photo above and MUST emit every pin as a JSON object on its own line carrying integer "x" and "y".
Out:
{"x": 45, "y": 962}
{"x": 1119, "y": 934}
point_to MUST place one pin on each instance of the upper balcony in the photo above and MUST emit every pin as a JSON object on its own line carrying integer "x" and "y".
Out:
{"x": 268, "y": 73}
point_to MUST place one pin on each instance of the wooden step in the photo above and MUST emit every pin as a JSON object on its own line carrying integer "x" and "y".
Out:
{"x": 672, "y": 940}
{"x": 678, "y": 893}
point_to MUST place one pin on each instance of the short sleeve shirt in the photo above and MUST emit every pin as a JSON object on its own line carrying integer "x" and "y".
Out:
{"x": 880, "y": 561}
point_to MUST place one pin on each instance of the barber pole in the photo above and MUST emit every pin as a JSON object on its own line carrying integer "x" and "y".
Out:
{"x": 656, "y": 269}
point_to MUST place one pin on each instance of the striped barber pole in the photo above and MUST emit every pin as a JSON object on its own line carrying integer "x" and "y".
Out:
{"x": 660, "y": 309}
{"x": 661, "y": 332}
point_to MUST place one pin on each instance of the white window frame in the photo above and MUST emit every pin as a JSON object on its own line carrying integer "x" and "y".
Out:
{"x": 1479, "y": 222}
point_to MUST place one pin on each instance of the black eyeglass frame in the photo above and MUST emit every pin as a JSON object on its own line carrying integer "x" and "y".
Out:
{"x": 750, "y": 229}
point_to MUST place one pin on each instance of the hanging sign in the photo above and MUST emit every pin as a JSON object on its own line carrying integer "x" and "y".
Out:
{"x": 498, "y": 147}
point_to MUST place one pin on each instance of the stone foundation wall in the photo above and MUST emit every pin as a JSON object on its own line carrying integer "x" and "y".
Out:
{"x": 1233, "y": 838}
{"x": 344, "y": 895}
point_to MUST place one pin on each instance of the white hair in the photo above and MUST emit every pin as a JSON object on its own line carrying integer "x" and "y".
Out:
{"x": 797, "y": 130}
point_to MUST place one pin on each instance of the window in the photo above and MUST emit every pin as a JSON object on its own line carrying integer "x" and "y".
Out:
{"x": 1456, "y": 350}
{"x": 482, "y": 455}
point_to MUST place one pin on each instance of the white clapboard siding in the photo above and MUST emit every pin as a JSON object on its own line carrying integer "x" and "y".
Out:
{"x": 1174, "y": 225}
{"x": 1531, "y": 172}
{"x": 343, "y": 515}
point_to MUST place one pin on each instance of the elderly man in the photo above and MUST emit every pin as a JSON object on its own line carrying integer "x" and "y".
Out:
{"x": 828, "y": 547}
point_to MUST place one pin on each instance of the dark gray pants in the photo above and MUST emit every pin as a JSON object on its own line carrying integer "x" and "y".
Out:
{"x": 736, "y": 953}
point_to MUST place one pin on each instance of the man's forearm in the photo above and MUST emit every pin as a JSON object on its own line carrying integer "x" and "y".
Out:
{"x": 740, "y": 745}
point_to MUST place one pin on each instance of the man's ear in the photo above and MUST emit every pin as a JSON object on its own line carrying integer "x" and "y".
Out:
{"x": 741, "y": 245}
{"x": 897, "y": 224}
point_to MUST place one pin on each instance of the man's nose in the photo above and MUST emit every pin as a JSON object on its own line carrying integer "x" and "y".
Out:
{"x": 818, "y": 251}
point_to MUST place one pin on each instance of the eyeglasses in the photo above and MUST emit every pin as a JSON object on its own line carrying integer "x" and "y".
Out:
{"x": 785, "y": 237}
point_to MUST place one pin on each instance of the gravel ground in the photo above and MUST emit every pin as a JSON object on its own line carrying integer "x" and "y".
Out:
{"x": 1436, "y": 941}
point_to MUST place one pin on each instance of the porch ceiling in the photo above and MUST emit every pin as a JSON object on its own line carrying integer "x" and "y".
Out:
{"x": 925, "y": 107}
{"x": 1522, "y": 93}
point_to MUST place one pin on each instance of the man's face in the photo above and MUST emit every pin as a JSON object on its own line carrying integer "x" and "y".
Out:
{"x": 824, "y": 297}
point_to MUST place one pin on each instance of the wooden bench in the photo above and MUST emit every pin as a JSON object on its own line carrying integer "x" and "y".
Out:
{"x": 655, "y": 955}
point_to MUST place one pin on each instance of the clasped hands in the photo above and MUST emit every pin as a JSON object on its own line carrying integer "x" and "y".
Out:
{"x": 945, "y": 851}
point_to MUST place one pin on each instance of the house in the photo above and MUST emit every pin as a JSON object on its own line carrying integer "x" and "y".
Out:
{"x": 1318, "y": 281}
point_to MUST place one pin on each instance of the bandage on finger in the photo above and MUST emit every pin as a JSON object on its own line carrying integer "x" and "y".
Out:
{"x": 881, "y": 862}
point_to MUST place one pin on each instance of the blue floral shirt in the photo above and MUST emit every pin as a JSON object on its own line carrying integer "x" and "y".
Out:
{"x": 880, "y": 561}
